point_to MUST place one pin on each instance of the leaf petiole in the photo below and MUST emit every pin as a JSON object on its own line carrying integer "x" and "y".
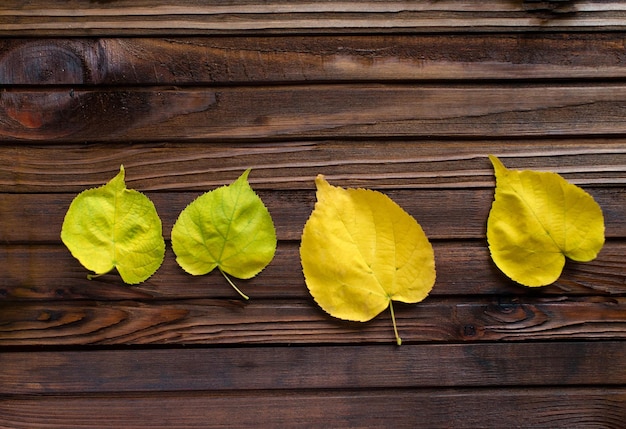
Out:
{"x": 93, "y": 276}
{"x": 393, "y": 319}
{"x": 233, "y": 285}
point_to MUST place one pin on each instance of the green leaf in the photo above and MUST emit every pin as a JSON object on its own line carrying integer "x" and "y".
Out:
{"x": 114, "y": 227}
{"x": 536, "y": 220}
{"x": 361, "y": 251}
{"x": 229, "y": 228}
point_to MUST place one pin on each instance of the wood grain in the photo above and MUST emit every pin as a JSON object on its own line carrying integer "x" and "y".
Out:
{"x": 302, "y": 322}
{"x": 39, "y": 218}
{"x": 141, "y": 17}
{"x": 570, "y": 363}
{"x": 419, "y": 164}
{"x": 319, "y": 111}
{"x": 50, "y": 273}
{"x": 402, "y": 408}
{"x": 310, "y": 59}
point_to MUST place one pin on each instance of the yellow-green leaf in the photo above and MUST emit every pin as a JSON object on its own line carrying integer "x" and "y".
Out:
{"x": 114, "y": 227}
{"x": 360, "y": 251}
{"x": 229, "y": 228}
{"x": 536, "y": 220}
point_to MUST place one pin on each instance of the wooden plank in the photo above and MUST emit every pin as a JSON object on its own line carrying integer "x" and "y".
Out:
{"x": 38, "y": 218}
{"x": 142, "y": 17}
{"x": 596, "y": 363}
{"x": 322, "y": 111}
{"x": 258, "y": 60}
{"x": 49, "y": 272}
{"x": 364, "y": 110}
{"x": 292, "y": 165}
{"x": 432, "y": 408}
{"x": 302, "y": 322}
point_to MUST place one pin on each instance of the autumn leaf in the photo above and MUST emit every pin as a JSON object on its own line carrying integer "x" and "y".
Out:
{"x": 360, "y": 251}
{"x": 229, "y": 228}
{"x": 114, "y": 227}
{"x": 537, "y": 220}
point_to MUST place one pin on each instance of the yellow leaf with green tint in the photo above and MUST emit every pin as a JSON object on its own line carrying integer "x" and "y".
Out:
{"x": 537, "y": 220}
{"x": 229, "y": 228}
{"x": 360, "y": 251}
{"x": 114, "y": 227}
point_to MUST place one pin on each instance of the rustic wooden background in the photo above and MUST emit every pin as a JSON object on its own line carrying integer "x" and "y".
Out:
{"x": 405, "y": 97}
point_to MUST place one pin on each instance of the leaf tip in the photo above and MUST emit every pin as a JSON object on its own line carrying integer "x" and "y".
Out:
{"x": 245, "y": 174}
{"x": 122, "y": 173}
{"x": 498, "y": 166}
{"x": 322, "y": 186}
{"x": 119, "y": 180}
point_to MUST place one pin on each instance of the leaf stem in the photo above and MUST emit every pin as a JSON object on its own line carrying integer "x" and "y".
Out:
{"x": 233, "y": 285}
{"x": 96, "y": 275}
{"x": 395, "y": 328}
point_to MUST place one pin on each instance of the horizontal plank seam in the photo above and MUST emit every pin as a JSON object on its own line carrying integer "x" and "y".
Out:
{"x": 513, "y": 388}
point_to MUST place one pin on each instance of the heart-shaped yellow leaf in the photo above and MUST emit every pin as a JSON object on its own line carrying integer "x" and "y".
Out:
{"x": 229, "y": 228}
{"x": 536, "y": 220}
{"x": 360, "y": 251}
{"x": 115, "y": 227}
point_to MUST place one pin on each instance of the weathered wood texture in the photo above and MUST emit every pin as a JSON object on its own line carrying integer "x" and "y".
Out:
{"x": 205, "y": 321}
{"x": 405, "y": 97}
{"x": 400, "y": 408}
{"x": 336, "y": 367}
{"x": 137, "y": 17}
{"x": 297, "y": 59}
{"x": 307, "y": 112}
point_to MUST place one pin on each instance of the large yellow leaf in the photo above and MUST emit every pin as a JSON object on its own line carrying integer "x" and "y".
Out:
{"x": 360, "y": 251}
{"x": 536, "y": 220}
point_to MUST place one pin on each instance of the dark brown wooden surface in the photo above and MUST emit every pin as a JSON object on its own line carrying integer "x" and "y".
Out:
{"x": 332, "y": 367}
{"x": 379, "y": 110}
{"x": 138, "y": 17}
{"x": 406, "y": 98}
{"x": 401, "y": 408}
